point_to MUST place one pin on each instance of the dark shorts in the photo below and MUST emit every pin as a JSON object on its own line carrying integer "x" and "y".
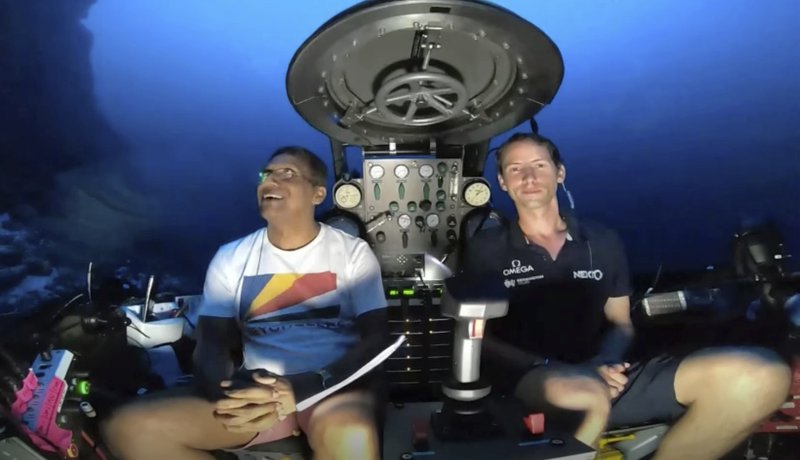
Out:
{"x": 649, "y": 396}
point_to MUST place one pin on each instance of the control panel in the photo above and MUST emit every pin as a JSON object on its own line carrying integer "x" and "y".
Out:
{"x": 417, "y": 369}
{"x": 411, "y": 207}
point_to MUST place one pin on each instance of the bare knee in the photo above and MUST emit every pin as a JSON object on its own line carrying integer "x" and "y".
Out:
{"x": 760, "y": 376}
{"x": 351, "y": 441}
{"x": 748, "y": 376}
{"x": 347, "y": 433}
{"x": 129, "y": 427}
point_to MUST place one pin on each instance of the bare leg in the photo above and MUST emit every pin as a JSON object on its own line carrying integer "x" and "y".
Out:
{"x": 343, "y": 427}
{"x": 571, "y": 388}
{"x": 179, "y": 427}
{"x": 728, "y": 392}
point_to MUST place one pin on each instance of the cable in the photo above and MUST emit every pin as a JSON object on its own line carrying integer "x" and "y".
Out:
{"x": 569, "y": 196}
{"x": 61, "y": 310}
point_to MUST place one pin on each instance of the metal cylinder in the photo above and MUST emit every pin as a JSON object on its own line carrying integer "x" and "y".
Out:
{"x": 88, "y": 409}
{"x": 466, "y": 354}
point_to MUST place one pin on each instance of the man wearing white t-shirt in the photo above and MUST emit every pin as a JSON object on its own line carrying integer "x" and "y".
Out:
{"x": 305, "y": 303}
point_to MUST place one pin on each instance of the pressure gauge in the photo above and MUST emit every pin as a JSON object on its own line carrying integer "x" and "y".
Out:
{"x": 347, "y": 196}
{"x": 477, "y": 193}
{"x": 401, "y": 171}
{"x": 376, "y": 171}
{"x": 404, "y": 221}
{"x": 432, "y": 220}
{"x": 426, "y": 171}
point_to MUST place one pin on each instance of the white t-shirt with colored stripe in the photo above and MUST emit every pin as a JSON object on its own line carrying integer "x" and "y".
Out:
{"x": 296, "y": 309}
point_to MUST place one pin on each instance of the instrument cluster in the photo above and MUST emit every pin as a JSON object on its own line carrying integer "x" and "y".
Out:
{"x": 408, "y": 207}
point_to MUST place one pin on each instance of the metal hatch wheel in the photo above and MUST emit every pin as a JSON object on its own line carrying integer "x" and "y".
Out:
{"x": 418, "y": 91}
{"x": 407, "y": 71}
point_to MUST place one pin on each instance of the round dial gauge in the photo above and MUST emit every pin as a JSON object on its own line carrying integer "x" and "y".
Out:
{"x": 401, "y": 171}
{"x": 432, "y": 220}
{"x": 376, "y": 171}
{"x": 347, "y": 196}
{"x": 477, "y": 193}
{"x": 404, "y": 221}
{"x": 426, "y": 171}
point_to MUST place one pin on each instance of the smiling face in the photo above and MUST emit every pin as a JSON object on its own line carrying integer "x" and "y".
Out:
{"x": 529, "y": 174}
{"x": 287, "y": 190}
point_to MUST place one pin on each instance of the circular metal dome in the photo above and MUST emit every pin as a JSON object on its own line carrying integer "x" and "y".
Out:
{"x": 460, "y": 71}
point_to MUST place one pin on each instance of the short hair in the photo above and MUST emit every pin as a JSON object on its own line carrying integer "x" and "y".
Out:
{"x": 317, "y": 167}
{"x": 528, "y": 137}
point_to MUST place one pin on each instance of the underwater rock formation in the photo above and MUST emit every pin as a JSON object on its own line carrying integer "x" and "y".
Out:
{"x": 62, "y": 166}
{"x": 50, "y": 120}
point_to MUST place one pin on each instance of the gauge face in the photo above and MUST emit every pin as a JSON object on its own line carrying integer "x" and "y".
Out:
{"x": 404, "y": 221}
{"x": 432, "y": 220}
{"x": 376, "y": 171}
{"x": 441, "y": 167}
{"x": 401, "y": 171}
{"x": 345, "y": 224}
{"x": 347, "y": 196}
{"x": 477, "y": 193}
{"x": 426, "y": 171}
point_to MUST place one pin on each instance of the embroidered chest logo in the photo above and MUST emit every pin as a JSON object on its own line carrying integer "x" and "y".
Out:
{"x": 596, "y": 275}
{"x": 517, "y": 268}
{"x": 510, "y": 280}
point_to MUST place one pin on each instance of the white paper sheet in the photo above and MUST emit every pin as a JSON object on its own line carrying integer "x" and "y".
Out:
{"x": 379, "y": 358}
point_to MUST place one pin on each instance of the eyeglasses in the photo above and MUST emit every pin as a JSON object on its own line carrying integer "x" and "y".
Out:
{"x": 279, "y": 175}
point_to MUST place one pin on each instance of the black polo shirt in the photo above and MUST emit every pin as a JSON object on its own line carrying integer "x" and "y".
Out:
{"x": 555, "y": 306}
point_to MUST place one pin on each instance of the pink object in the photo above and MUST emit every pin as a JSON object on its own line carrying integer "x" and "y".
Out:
{"x": 534, "y": 423}
{"x": 44, "y": 427}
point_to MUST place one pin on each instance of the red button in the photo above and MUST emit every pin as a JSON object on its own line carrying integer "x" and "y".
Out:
{"x": 534, "y": 423}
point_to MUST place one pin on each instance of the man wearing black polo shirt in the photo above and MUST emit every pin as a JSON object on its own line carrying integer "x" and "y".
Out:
{"x": 568, "y": 327}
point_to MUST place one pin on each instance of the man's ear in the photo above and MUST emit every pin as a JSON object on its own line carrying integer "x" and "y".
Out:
{"x": 319, "y": 195}
{"x": 562, "y": 174}
{"x": 501, "y": 182}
